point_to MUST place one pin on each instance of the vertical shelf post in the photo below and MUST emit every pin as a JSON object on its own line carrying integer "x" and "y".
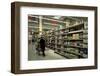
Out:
{"x": 40, "y": 25}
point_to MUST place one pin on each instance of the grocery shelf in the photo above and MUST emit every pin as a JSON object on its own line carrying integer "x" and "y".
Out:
{"x": 73, "y": 32}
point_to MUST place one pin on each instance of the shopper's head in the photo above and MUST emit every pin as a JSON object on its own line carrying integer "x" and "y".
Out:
{"x": 41, "y": 37}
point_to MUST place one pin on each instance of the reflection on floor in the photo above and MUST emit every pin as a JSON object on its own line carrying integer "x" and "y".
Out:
{"x": 50, "y": 55}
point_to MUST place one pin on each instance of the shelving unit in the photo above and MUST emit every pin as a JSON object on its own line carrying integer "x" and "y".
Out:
{"x": 70, "y": 42}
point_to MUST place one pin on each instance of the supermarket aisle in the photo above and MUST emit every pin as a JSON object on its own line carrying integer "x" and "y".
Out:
{"x": 50, "y": 55}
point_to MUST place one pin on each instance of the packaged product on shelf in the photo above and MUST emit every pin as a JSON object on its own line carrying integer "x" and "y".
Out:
{"x": 85, "y": 41}
{"x": 75, "y": 36}
{"x": 85, "y": 46}
{"x": 85, "y": 31}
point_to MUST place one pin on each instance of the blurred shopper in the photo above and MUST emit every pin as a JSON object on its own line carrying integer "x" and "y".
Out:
{"x": 42, "y": 45}
{"x": 33, "y": 39}
{"x": 37, "y": 45}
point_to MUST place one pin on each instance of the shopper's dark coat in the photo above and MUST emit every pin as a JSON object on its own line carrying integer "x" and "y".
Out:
{"x": 42, "y": 44}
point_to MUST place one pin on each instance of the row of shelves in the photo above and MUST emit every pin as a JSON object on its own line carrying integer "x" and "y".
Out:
{"x": 72, "y": 37}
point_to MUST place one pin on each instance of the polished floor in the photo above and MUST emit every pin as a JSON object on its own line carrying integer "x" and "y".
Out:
{"x": 50, "y": 55}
